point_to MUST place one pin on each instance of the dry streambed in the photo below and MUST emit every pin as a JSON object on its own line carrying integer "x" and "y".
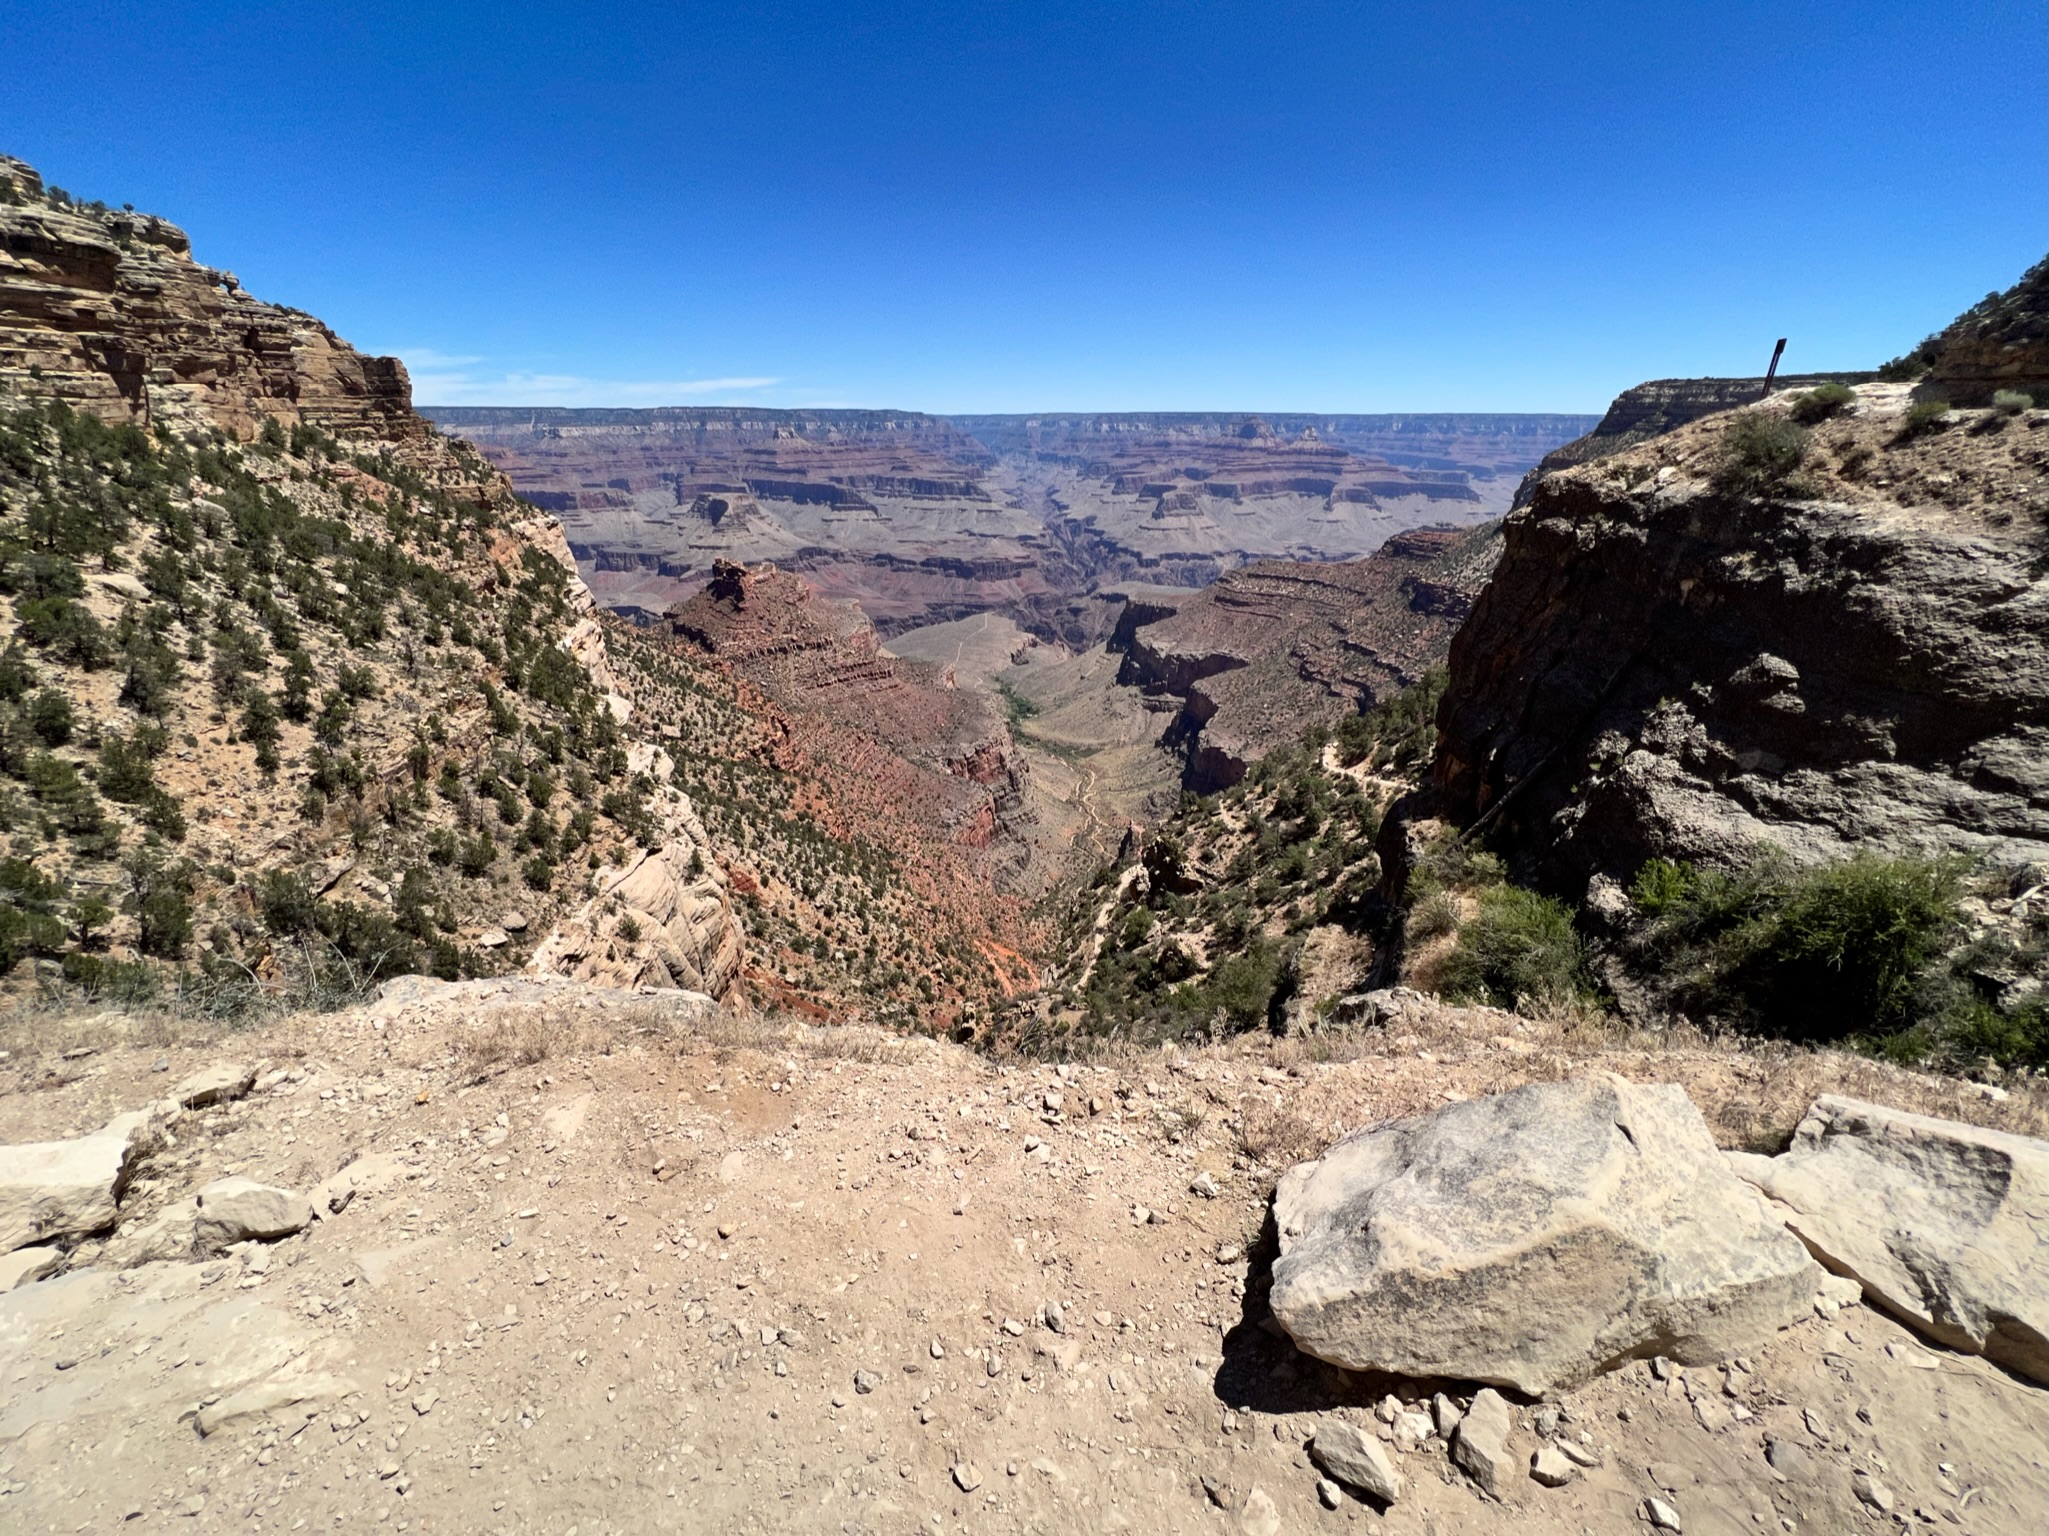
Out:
{"x": 592, "y": 1260}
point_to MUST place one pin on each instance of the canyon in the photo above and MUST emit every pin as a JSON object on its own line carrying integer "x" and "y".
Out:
{"x": 926, "y": 519}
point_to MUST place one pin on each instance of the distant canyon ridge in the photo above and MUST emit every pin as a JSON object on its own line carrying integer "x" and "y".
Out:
{"x": 1047, "y": 519}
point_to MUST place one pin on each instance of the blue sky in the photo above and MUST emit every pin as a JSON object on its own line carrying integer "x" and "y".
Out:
{"x": 1054, "y": 205}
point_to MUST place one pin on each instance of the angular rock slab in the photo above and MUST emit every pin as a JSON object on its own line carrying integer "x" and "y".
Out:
{"x": 53, "y": 1190}
{"x": 236, "y": 1209}
{"x": 1531, "y": 1240}
{"x": 1945, "y": 1226}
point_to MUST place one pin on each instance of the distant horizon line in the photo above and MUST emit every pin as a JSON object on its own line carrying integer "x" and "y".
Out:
{"x": 886, "y": 410}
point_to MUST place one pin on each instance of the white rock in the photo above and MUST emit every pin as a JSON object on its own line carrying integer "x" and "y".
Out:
{"x": 168, "y": 1235}
{"x": 1444, "y": 1413}
{"x": 1661, "y": 1514}
{"x": 1354, "y": 1458}
{"x": 1259, "y": 1516}
{"x": 233, "y": 1210}
{"x": 25, "y": 1266}
{"x": 1480, "y": 1445}
{"x": 1532, "y": 1239}
{"x": 215, "y": 1085}
{"x": 1944, "y": 1225}
{"x": 1551, "y": 1467}
{"x": 67, "y": 1189}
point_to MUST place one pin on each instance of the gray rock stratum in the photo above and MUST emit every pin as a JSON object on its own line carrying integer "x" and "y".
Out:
{"x": 1946, "y": 1226}
{"x": 1855, "y": 656}
{"x": 1531, "y": 1240}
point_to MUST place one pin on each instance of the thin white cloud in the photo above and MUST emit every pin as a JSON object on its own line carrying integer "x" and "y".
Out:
{"x": 428, "y": 358}
{"x": 455, "y": 386}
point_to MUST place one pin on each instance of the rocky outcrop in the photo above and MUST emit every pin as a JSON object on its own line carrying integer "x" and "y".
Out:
{"x": 58, "y": 1191}
{"x": 822, "y": 658}
{"x": 665, "y": 920}
{"x": 1946, "y": 1226}
{"x": 2001, "y": 344}
{"x": 1665, "y": 405}
{"x": 1278, "y": 646}
{"x": 108, "y": 311}
{"x": 1669, "y": 664}
{"x": 1531, "y": 1240}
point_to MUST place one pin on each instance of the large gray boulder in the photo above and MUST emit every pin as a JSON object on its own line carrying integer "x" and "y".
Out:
{"x": 1945, "y": 1226}
{"x": 1531, "y": 1240}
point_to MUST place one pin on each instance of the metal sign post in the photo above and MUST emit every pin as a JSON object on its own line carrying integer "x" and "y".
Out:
{"x": 1773, "y": 372}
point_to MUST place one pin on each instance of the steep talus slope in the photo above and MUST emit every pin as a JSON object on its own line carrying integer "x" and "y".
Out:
{"x": 1671, "y": 661}
{"x": 821, "y": 660}
{"x": 295, "y": 691}
{"x": 1277, "y": 647}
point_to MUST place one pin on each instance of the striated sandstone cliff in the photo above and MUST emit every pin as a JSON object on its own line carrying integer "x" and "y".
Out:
{"x": 1663, "y": 665}
{"x": 107, "y": 311}
{"x": 1279, "y": 646}
{"x": 821, "y": 658}
{"x": 924, "y": 519}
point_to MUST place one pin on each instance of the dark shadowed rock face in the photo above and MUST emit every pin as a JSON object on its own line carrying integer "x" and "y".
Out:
{"x": 1660, "y": 667}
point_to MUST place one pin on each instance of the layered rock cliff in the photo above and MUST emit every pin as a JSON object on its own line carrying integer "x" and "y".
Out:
{"x": 1687, "y": 651}
{"x": 1999, "y": 344}
{"x": 1277, "y": 646}
{"x": 819, "y": 657}
{"x": 924, "y": 519}
{"x": 108, "y": 311}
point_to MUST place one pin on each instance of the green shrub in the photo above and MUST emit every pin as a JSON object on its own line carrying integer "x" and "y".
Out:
{"x": 50, "y": 717}
{"x": 1760, "y": 451}
{"x": 1822, "y": 402}
{"x": 1519, "y": 950}
{"x": 1868, "y": 951}
{"x": 2011, "y": 402}
{"x": 1923, "y": 417}
{"x": 286, "y": 903}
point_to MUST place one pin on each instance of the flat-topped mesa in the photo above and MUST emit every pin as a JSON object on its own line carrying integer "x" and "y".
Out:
{"x": 106, "y": 310}
{"x": 1277, "y": 646}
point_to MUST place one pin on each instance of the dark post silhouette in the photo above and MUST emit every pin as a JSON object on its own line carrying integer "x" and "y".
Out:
{"x": 1773, "y": 372}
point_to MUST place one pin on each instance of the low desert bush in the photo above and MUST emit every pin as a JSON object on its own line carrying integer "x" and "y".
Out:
{"x": 1923, "y": 417}
{"x": 1873, "y": 951}
{"x": 1519, "y": 950}
{"x": 1822, "y": 402}
{"x": 1760, "y": 452}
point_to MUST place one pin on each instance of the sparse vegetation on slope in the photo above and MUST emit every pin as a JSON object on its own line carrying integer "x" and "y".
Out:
{"x": 232, "y": 665}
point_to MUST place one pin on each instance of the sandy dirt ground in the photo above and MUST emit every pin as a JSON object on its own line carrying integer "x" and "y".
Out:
{"x": 614, "y": 1263}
